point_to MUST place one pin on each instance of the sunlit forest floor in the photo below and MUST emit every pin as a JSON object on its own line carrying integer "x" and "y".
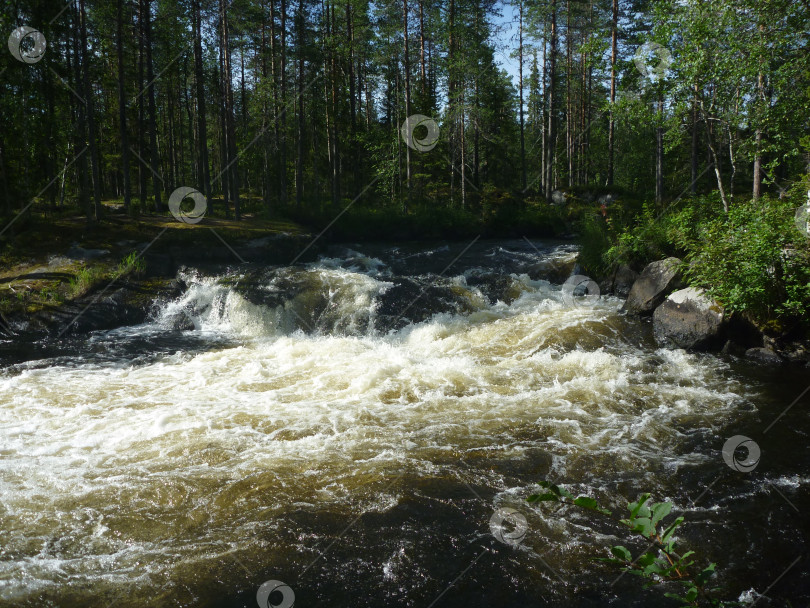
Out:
{"x": 54, "y": 259}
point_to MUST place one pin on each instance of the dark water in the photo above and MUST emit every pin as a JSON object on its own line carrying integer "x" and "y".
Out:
{"x": 351, "y": 427}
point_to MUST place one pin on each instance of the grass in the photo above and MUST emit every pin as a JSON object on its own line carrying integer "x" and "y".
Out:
{"x": 36, "y": 274}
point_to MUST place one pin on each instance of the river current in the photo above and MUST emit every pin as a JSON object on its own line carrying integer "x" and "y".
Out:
{"x": 353, "y": 428}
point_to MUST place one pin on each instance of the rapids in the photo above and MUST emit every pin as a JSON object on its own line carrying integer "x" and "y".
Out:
{"x": 350, "y": 426}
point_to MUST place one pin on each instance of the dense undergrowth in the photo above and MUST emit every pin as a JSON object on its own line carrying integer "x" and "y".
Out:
{"x": 754, "y": 260}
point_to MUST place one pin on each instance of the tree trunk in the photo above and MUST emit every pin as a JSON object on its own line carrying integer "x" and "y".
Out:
{"x": 569, "y": 136}
{"x": 265, "y": 110}
{"x": 423, "y": 73}
{"x": 352, "y": 101}
{"x": 407, "y": 63}
{"x": 758, "y": 139}
{"x": 81, "y": 117}
{"x": 283, "y": 117}
{"x": 203, "y": 171}
{"x": 544, "y": 110}
{"x": 230, "y": 131}
{"x": 613, "y": 56}
{"x": 520, "y": 86}
{"x": 552, "y": 101}
{"x": 714, "y": 159}
{"x": 91, "y": 119}
{"x": 299, "y": 160}
{"x": 150, "y": 93}
{"x": 694, "y": 151}
{"x": 451, "y": 91}
{"x": 659, "y": 153}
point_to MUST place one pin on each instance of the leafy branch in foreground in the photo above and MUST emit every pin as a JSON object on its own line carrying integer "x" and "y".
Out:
{"x": 661, "y": 563}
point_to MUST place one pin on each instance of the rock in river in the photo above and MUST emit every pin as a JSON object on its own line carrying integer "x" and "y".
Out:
{"x": 688, "y": 319}
{"x": 656, "y": 281}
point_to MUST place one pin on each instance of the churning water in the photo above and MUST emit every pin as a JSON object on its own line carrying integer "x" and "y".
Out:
{"x": 349, "y": 427}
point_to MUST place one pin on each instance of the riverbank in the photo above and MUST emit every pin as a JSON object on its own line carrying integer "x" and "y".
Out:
{"x": 752, "y": 263}
{"x": 65, "y": 274}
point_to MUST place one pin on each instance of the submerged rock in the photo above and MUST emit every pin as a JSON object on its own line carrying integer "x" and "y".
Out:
{"x": 553, "y": 270}
{"x": 688, "y": 319}
{"x": 763, "y": 355}
{"x": 656, "y": 281}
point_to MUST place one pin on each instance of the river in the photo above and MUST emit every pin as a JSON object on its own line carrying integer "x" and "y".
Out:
{"x": 350, "y": 427}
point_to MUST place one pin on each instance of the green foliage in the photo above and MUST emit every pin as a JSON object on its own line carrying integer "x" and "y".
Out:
{"x": 89, "y": 277}
{"x": 499, "y": 214}
{"x": 753, "y": 260}
{"x": 660, "y": 563}
{"x": 131, "y": 264}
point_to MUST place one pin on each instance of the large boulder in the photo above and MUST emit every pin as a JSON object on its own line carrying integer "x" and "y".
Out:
{"x": 656, "y": 281}
{"x": 558, "y": 198}
{"x": 688, "y": 319}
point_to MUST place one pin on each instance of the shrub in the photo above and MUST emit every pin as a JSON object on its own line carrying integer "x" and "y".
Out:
{"x": 753, "y": 260}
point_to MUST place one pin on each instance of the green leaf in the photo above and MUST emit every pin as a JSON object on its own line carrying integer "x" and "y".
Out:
{"x": 655, "y": 568}
{"x": 636, "y": 507}
{"x": 659, "y": 511}
{"x": 670, "y": 529}
{"x": 622, "y": 553}
{"x": 644, "y": 526}
{"x": 646, "y": 559}
{"x": 703, "y": 577}
{"x": 542, "y": 497}
{"x": 557, "y": 490}
{"x": 691, "y": 594}
{"x": 586, "y": 502}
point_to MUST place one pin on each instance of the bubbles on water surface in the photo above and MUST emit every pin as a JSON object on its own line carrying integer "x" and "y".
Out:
{"x": 234, "y": 441}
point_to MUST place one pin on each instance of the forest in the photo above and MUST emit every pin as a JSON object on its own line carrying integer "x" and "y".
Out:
{"x": 284, "y": 106}
{"x": 404, "y": 303}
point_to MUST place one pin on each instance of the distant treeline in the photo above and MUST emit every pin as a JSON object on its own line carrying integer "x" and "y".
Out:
{"x": 267, "y": 104}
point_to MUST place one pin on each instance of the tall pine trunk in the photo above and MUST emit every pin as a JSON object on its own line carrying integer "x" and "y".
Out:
{"x": 232, "y": 166}
{"x": 150, "y": 94}
{"x": 122, "y": 106}
{"x": 614, "y": 27}
{"x": 203, "y": 171}
{"x": 407, "y": 62}
{"x": 552, "y": 103}
{"x": 91, "y": 118}
{"x": 520, "y": 85}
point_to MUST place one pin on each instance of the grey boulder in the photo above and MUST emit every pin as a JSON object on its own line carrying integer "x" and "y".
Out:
{"x": 657, "y": 280}
{"x": 688, "y": 319}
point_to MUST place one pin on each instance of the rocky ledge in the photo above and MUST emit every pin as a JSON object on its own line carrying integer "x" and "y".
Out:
{"x": 127, "y": 300}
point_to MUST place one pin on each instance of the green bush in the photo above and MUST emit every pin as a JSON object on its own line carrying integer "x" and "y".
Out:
{"x": 753, "y": 260}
